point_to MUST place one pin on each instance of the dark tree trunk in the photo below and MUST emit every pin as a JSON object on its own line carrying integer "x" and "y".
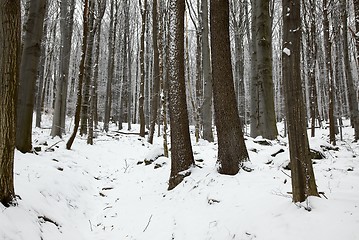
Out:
{"x": 28, "y": 73}
{"x": 10, "y": 40}
{"x": 181, "y": 154}
{"x": 81, "y": 76}
{"x": 232, "y": 151}
{"x": 303, "y": 181}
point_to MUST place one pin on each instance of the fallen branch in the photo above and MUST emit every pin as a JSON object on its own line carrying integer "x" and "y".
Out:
{"x": 47, "y": 149}
{"x": 149, "y": 220}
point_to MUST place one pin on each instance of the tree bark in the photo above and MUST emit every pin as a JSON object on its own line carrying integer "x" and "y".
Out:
{"x": 181, "y": 154}
{"x": 302, "y": 174}
{"x": 10, "y": 40}
{"x": 232, "y": 151}
{"x": 28, "y": 73}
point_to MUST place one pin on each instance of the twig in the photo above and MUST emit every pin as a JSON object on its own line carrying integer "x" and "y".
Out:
{"x": 286, "y": 174}
{"x": 149, "y": 220}
{"x": 53, "y": 145}
{"x": 90, "y": 225}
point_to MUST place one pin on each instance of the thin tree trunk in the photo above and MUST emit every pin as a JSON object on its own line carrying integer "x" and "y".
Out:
{"x": 81, "y": 76}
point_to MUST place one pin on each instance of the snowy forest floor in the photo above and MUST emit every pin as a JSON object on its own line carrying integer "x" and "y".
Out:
{"x": 104, "y": 192}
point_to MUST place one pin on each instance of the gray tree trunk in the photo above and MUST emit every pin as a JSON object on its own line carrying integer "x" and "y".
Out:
{"x": 302, "y": 174}
{"x": 207, "y": 77}
{"x": 31, "y": 53}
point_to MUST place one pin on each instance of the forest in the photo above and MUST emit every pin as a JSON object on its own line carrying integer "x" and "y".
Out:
{"x": 179, "y": 119}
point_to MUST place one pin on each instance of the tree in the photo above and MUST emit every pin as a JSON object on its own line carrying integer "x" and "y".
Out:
{"x": 207, "y": 77}
{"x": 142, "y": 69}
{"x": 263, "y": 121}
{"x": 10, "y": 40}
{"x": 232, "y": 151}
{"x": 303, "y": 181}
{"x": 353, "y": 100}
{"x": 181, "y": 154}
{"x": 28, "y": 73}
{"x": 156, "y": 72}
{"x": 66, "y": 26}
{"x": 81, "y": 75}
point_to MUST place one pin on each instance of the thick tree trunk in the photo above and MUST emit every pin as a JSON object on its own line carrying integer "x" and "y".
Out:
{"x": 28, "y": 73}
{"x": 181, "y": 153}
{"x": 302, "y": 175}
{"x": 232, "y": 151}
{"x": 10, "y": 40}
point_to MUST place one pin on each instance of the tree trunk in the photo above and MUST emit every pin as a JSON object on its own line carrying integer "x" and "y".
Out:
{"x": 353, "y": 100}
{"x": 110, "y": 67}
{"x": 81, "y": 75}
{"x": 232, "y": 151}
{"x": 28, "y": 73}
{"x": 156, "y": 78}
{"x": 10, "y": 40}
{"x": 207, "y": 77}
{"x": 181, "y": 154}
{"x": 328, "y": 61}
{"x": 302, "y": 175}
{"x": 66, "y": 26}
{"x": 141, "y": 99}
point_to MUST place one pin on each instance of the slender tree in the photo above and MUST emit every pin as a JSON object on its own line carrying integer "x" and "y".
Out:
{"x": 181, "y": 153}
{"x": 303, "y": 181}
{"x": 207, "y": 76}
{"x": 28, "y": 73}
{"x": 81, "y": 75}
{"x": 232, "y": 151}
{"x": 10, "y": 40}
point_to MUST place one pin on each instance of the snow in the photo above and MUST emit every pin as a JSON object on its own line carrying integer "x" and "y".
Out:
{"x": 286, "y": 51}
{"x": 104, "y": 191}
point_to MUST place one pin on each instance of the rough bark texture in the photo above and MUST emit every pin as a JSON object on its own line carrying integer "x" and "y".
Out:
{"x": 81, "y": 76}
{"x": 28, "y": 73}
{"x": 232, "y": 151}
{"x": 10, "y": 40}
{"x": 181, "y": 153}
{"x": 303, "y": 181}
{"x": 207, "y": 77}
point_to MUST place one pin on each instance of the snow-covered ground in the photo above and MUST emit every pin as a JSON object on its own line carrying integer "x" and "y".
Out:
{"x": 106, "y": 191}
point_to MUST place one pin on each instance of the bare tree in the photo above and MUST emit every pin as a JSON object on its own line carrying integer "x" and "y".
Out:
{"x": 181, "y": 153}
{"x": 302, "y": 174}
{"x": 81, "y": 75}
{"x": 28, "y": 73}
{"x": 10, "y": 40}
{"x": 232, "y": 151}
